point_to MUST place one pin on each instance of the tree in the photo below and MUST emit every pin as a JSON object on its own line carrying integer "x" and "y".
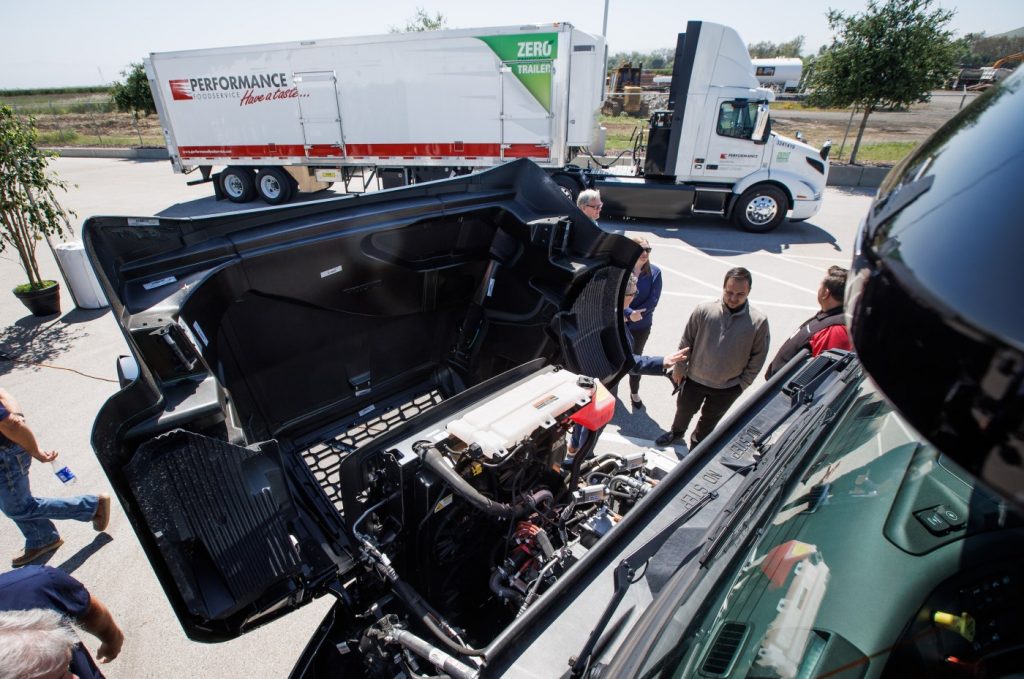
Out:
{"x": 133, "y": 95}
{"x": 767, "y": 50}
{"x": 29, "y": 211}
{"x": 892, "y": 55}
{"x": 422, "y": 21}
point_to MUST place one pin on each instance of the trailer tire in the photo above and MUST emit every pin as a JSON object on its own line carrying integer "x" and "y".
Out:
{"x": 238, "y": 184}
{"x": 569, "y": 186}
{"x": 760, "y": 209}
{"x": 274, "y": 185}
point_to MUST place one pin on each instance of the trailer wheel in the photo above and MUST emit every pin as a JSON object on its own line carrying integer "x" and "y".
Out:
{"x": 570, "y": 187}
{"x": 238, "y": 184}
{"x": 274, "y": 185}
{"x": 760, "y": 209}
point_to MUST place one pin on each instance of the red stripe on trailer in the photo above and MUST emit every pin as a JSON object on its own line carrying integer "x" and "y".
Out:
{"x": 356, "y": 151}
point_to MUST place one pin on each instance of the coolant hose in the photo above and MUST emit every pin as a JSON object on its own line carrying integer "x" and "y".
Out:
{"x": 581, "y": 455}
{"x": 433, "y": 459}
{"x": 501, "y": 590}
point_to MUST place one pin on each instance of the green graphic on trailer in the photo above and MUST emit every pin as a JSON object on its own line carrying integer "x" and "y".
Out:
{"x": 530, "y": 56}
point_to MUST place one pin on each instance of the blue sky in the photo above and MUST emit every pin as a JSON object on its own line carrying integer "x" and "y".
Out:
{"x": 70, "y": 42}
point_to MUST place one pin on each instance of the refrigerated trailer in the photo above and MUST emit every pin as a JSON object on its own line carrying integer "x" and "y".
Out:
{"x": 406, "y": 108}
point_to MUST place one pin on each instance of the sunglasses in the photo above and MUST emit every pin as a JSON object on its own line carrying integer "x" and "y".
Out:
{"x": 596, "y": 206}
{"x": 647, "y": 250}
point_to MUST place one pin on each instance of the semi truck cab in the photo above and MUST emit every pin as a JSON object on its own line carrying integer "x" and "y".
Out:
{"x": 712, "y": 151}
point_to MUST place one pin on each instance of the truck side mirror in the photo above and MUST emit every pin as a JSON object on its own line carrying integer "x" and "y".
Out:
{"x": 762, "y": 126}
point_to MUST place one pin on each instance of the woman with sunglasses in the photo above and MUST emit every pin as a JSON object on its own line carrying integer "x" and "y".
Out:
{"x": 640, "y": 312}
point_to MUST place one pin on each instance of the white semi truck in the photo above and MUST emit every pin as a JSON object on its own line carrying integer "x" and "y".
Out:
{"x": 413, "y": 107}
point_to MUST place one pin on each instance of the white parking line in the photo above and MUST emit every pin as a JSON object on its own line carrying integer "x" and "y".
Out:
{"x": 759, "y": 274}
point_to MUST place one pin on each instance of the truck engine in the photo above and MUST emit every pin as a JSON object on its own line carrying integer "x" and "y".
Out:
{"x": 468, "y": 525}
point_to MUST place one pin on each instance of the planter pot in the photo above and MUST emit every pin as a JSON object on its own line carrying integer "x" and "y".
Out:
{"x": 41, "y": 302}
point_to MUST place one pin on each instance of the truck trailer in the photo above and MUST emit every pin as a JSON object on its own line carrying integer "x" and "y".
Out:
{"x": 407, "y": 108}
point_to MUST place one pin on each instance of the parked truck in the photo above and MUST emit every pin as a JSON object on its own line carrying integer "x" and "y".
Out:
{"x": 407, "y": 108}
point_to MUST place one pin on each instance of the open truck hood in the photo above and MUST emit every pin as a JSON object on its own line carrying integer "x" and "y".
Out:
{"x": 274, "y": 344}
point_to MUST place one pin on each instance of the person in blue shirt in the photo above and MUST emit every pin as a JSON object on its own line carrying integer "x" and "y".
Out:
{"x": 640, "y": 311}
{"x": 32, "y": 515}
{"x": 36, "y": 605}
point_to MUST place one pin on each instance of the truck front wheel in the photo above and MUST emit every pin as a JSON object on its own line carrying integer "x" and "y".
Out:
{"x": 760, "y": 209}
{"x": 238, "y": 184}
{"x": 274, "y": 185}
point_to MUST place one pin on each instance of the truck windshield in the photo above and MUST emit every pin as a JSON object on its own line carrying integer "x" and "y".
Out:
{"x": 764, "y": 615}
{"x": 736, "y": 119}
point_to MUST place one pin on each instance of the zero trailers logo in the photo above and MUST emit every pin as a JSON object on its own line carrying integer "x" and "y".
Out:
{"x": 242, "y": 87}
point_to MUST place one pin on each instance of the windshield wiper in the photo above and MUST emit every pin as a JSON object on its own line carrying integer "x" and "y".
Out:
{"x": 624, "y": 574}
{"x": 790, "y": 449}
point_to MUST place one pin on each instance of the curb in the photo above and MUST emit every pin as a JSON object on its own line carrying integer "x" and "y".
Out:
{"x": 151, "y": 153}
{"x": 856, "y": 175}
{"x": 838, "y": 175}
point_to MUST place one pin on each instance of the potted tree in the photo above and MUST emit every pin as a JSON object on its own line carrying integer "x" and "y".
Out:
{"x": 29, "y": 211}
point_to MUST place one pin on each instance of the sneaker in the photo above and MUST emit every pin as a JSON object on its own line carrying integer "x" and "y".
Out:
{"x": 637, "y": 403}
{"x": 668, "y": 438}
{"x": 102, "y": 516}
{"x": 30, "y": 555}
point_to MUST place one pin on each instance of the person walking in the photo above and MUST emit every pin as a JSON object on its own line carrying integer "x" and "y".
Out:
{"x": 728, "y": 341}
{"x": 640, "y": 311}
{"x": 825, "y": 329}
{"x": 33, "y": 515}
{"x": 36, "y": 640}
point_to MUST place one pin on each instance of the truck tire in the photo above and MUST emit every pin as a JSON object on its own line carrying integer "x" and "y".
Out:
{"x": 760, "y": 209}
{"x": 238, "y": 184}
{"x": 274, "y": 185}
{"x": 570, "y": 187}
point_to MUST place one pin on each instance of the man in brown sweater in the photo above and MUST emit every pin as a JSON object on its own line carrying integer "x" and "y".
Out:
{"x": 728, "y": 341}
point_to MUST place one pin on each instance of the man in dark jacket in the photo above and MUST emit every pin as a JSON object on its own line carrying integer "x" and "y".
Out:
{"x": 825, "y": 329}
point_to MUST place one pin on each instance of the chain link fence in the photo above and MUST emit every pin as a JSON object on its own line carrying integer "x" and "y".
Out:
{"x": 85, "y": 120}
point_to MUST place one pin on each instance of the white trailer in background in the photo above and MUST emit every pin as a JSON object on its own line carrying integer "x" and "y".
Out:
{"x": 410, "y": 106}
{"x": 779, "y": 73}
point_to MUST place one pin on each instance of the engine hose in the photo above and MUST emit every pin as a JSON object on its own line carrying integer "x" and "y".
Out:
{"x": 581, "y": 454}
{"x": 415, "y": 603}
{"x": 433, "y": 459}
{"x": 439, "y": 658}
{"x": 501, "y": 590}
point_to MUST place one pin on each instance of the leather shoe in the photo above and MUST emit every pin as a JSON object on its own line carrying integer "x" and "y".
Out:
{"x": 637, "y": 403}
{"x": 668, "y": 438}
{"x": 101, "y": 518}
{"x": 30, "y": 555}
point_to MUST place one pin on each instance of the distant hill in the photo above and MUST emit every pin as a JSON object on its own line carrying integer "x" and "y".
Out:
{"x": 1015, "y": 33}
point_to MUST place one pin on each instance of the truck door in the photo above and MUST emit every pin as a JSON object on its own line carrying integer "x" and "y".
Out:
{"x": 320, "y": 113}
{"x": 526, "y": 118}
{"x": 731, "y": 152}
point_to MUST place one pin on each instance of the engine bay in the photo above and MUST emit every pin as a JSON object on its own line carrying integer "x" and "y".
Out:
{"x": 469, "y": 521}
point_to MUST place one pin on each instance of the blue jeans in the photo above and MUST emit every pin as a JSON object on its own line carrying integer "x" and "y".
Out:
{"x": 32, "y": 514}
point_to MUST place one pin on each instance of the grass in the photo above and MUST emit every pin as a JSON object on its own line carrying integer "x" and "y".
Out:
{"x": 58, "y": 101}
{"x": 882, "y": 153}
{"x": 72, "y": 137}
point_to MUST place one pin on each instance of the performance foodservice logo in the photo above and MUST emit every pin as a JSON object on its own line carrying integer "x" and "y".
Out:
{"x": 244, "y": 88}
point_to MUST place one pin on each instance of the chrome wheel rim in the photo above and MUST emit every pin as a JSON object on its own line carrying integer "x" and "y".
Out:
{"x": 762, "y": 210}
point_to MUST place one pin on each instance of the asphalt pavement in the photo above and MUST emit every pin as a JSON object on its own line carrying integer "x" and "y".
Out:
{"x": 62, "y": 369}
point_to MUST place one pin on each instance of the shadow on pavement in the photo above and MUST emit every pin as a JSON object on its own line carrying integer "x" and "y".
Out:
{"x": 211, "y": 206}
{"x": 32, "y": 340}
{"x": 72, "y": 563}
{"x": 718, "y": 237}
